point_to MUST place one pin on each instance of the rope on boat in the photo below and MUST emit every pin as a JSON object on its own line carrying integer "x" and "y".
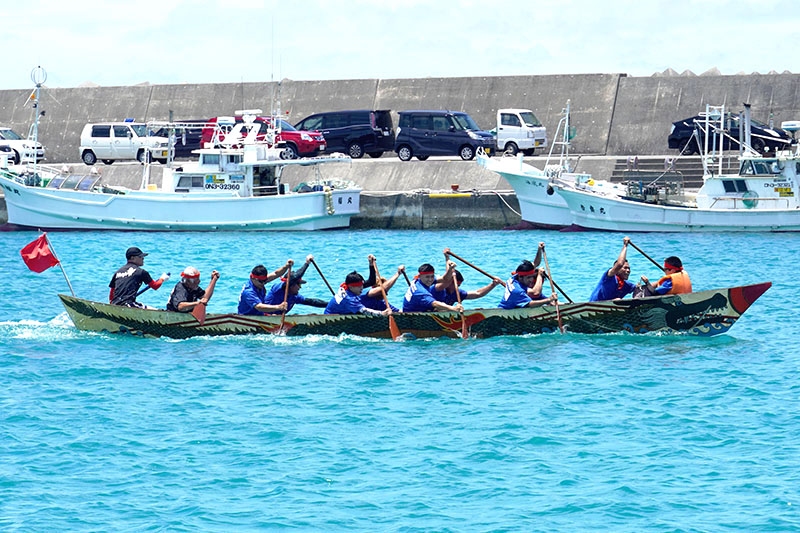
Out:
{"x": 506, "y": 203}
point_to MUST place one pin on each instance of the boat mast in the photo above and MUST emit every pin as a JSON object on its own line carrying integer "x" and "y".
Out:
{"x": 38, "y": 77}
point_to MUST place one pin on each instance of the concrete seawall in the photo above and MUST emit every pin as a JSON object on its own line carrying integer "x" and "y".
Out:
{"x": 613, "y": 113}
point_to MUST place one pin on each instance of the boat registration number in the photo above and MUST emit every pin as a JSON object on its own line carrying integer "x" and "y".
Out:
{"x": 223, "y": 186}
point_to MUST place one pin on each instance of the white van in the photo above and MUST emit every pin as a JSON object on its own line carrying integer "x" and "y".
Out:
{"x": 21, "y": 147}
{"x": 519, "y": 129}
{"x": 113, "y": 141}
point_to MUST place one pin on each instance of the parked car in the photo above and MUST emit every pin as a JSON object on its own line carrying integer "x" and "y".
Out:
{"x": 353, "y": 132}
{"x": 298, "y": 143}
{"x": 23, "y": 148}
{"x": 426, "y": 133}
{"x": 113, "y": 141}
{"x": 762, "y": 138}
{"x": 519, "y": 129}
{"x": 6, "y": 156}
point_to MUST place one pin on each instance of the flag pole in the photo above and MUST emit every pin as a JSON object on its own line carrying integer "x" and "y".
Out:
{"x": 50, "y": 244}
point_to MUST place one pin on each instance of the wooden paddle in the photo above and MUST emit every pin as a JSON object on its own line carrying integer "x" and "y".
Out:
{"x": 394, "y": 331}
{"x": 647, "y": 256}
{"x": 323, "y": 277}
{"x": 286, "y": 297}
{"x": 458, "y": 297}
{"x": 553, "y": 289}
{"x": 471, "y": 265}
{"x": 406, "y": 276}
{"x": 562, "y": 292}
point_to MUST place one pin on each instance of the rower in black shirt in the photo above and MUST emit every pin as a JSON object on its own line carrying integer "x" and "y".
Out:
{"x": 187, "y": 293}
{"x": 126, "y": 281}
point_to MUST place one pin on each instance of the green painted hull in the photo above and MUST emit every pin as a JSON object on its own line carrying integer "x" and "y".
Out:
{"x": 704, "y": 313}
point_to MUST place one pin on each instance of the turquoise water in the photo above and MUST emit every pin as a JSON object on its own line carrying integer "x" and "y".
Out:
{"x": 548, "y": 433}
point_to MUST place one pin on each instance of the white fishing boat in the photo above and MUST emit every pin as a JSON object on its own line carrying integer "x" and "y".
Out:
{"x": 229, "y": 187}
{"x": 761, "y": 196}
{"x": 540, "y": 206}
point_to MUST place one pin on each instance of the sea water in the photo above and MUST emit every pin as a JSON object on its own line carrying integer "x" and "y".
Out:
{"x": 538, "y": 433}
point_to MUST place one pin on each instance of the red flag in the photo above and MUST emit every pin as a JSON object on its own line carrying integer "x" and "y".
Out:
{"x": 37, "y": 255}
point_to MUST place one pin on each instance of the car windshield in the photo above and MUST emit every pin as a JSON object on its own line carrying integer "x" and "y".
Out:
{"x": 9, "y": 135}
{"x": 465, "y": 122}
{"x": 530, "y": 119}
{"x": 140, "y": 129}
{"x": 285, "y": 126}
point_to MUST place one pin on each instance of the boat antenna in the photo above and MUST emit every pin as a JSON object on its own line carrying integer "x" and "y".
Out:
{"x": 38, "y": 77}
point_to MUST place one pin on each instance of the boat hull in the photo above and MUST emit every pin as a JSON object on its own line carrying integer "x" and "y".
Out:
{"x": 704, "y": 313}
{"x": 43, "y": 208}
{"x": 609, "y": 213}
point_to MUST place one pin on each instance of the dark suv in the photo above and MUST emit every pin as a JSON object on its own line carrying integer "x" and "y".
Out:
{"x": 353, "y": 132}
{"x": 762, "y": 138}
{"x": 426, "y": 133}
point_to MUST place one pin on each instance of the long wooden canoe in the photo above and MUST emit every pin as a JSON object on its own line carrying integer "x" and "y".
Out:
{"x": 703, "y": 313}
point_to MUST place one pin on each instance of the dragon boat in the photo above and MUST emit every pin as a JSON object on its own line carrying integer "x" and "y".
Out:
{"x": 704, "y": 313}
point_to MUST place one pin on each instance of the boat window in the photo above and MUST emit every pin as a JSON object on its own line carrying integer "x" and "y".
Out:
{"x": 210, "y": 159}
{"x": 741, "y": 185}
{"x": 507, "y": 119}
{"x": 191, "y": 181}
{"x": 797, "y": 167}
{"x": 765, "y": 167}
{"x": 530, "y": 119}
{"x": 121, "y": 131}
{"x": 88, "y": 183}
{"x": 729, "y": 186}
{"x": 197, "y": 181}
{"x": 72, "y": 181}
{"x": 101, "y": 131}
{"x": 235, "y": 159}
{"x": 56, "y": 182}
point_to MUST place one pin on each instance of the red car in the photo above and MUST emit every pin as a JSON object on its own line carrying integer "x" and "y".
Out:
{"x": 300, "y": 143}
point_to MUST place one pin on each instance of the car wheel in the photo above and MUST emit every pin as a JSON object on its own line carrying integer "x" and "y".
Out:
{"x": 290, "y": 152}
{"x": 758, "y": 145}
{"x": 375, "y": 154}
{"x": 529, "y": 151}
{"x": 511, "y": 148}
{"x": 355, "y": 150}
{"x": 108, "y": 161}
{"x": 89, "y": 158}
{"x": 140, "y": 156}
{"x": 16, "y": 157}
{"x": 405, "y": 153}
{"x": 422, "y": 157}
{"x": 467, "y": 152}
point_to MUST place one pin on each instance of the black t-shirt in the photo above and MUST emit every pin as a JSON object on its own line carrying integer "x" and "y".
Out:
{"x": 181, "y": 293}
{"x": 126, "y": 282}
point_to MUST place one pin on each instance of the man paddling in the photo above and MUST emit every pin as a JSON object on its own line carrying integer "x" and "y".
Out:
{"x": 614, "y": 282}
{"x": 373, "y": 297}
{"x": 524, "y": 288}
{"x": 347, "y": 300}
{"x": 675, "y": 280}
{"x": 252, "y": 300}
{"x": 126, "y": 281}
{"x": 446, "y": 292}
{"x": 187, "y": 293}
{"x": 419, "y": 298}
{"x": 277, "y": 292}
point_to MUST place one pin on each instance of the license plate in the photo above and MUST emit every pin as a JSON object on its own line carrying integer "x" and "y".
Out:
{"x": 322, "y": 147}
{"x": 536, "y": 143}
{"x": 164, "y": 154}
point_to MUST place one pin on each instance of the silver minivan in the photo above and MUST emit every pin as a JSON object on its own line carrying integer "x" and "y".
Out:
{"x": 113, "y": 141}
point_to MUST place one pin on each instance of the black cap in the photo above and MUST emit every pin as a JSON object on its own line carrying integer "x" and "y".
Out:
{"x": 133, "y": 251}
{"x": 296, "y": 280}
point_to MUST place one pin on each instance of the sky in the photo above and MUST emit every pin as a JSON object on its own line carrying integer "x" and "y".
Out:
{"x": 210, "y": 41}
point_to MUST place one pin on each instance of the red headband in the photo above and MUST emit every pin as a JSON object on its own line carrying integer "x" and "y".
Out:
{"x": 426, "y": 273}
{"x": 524, "y": 273}
{"x": 348, "y": 285}
{"x": 673, "y": 267}
{"x": 188, "y": 276}
{"x": 259, "y": 278}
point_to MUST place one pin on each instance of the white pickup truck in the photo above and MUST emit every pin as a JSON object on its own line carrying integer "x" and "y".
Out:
{"x": 519, "y": 129}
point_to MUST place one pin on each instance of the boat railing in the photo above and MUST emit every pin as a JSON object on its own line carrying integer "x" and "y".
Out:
{"x": 752, "y": 202}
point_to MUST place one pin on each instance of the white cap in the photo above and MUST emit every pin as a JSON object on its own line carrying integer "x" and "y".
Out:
{"x": 190, "y": 272}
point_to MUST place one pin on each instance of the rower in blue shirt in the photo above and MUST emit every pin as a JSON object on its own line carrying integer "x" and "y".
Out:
{"x": 347, "y": 300}
{"x": 614, "y": 282}
{"x": 373, "y": 297}
{"x": 447, "y": 293}
{"x": 524, "y": 288}
{"x": 419, "y": 298}
{"x": 277, "y": 291}
{"x": 252, "y": 300}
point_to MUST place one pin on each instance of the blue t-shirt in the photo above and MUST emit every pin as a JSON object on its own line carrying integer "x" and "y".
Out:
{"x": 250, "y": 297}
{"x": 608, "y": 289}
{"x": 516, "y": 295}
{"x": 344, "y": 303}
{"x": 448, "y": 297}
{"x": 418, "y": 298}
{"x": 665, "y": 287}
{"x": 275, "y": 297}
{"x": 377, "y": 304}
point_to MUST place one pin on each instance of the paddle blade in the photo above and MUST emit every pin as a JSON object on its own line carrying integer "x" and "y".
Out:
{"x": 393, "y": 329}
{"x": 199, "y": 312}
{"x": 464, "y": 333}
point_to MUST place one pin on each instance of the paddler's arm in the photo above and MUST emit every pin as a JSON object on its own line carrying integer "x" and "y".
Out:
{"x": 280, "y": 272}
{"x": 538, "y": 303}
{"x": 267, "y": 308}
{"x": 372, "y": 279}
{"x": 302, "y": 270}
{"x": 314, "y": 302}
{"x": 620, "y": 262}
{"x": 441, "y": 306}
{"x": 483, "y": 291}
{"x": 210, "y": 289}
{"x": 373, "y": 312}
{"x": 538, "y": 258}
{"x": 375, "y": 292}
{"x": 536, "y": 291}
{"x": 447, "y": 280}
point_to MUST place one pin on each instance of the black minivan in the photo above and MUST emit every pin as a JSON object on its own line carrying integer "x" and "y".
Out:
{"x": 353, "y": 132}
{"x": 426, "y": 133}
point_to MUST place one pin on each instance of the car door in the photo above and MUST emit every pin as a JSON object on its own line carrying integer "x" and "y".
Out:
{"x": 445, "y": 139}
{"x": 122, "y": 146}
{"x": 101, "y": 140}
{"x": 509, "y": 129}
{"x": 334, "y": 129}
{"x": 420, "y": 135}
